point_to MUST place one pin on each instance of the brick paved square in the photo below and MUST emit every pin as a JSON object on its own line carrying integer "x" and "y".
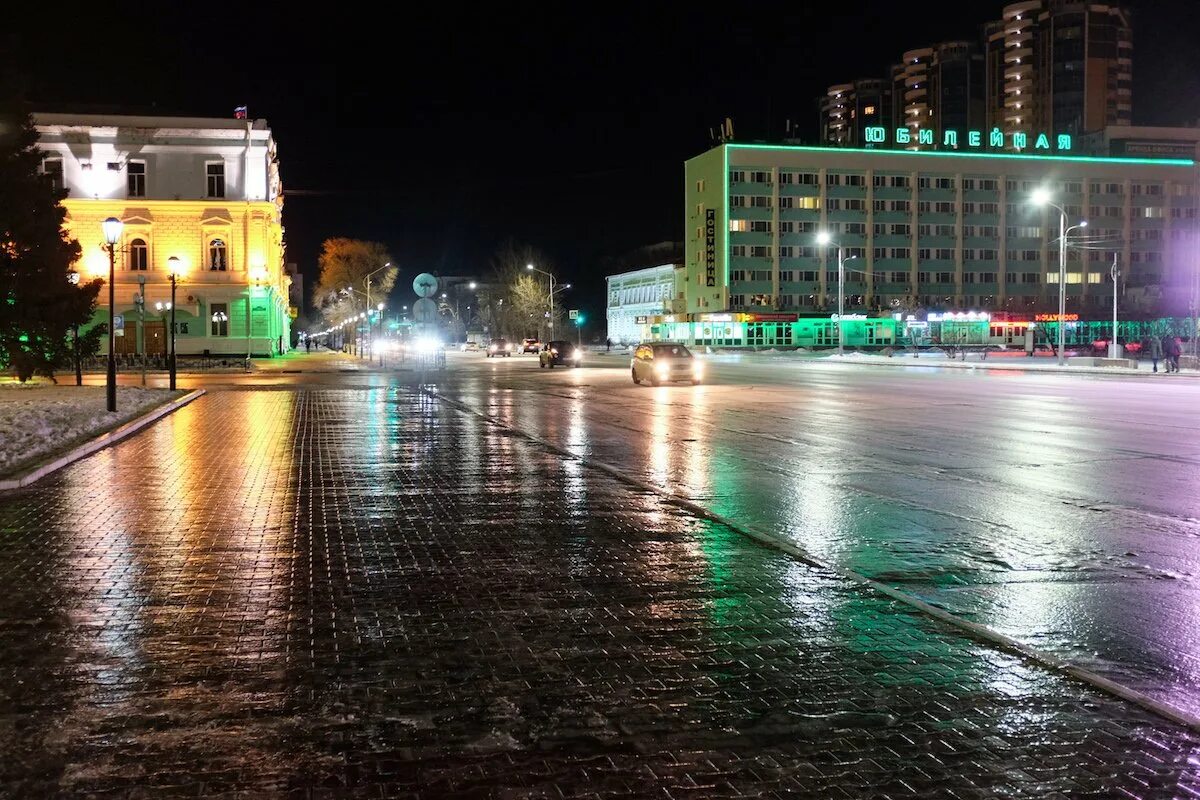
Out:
{"x": 327, "y": 592}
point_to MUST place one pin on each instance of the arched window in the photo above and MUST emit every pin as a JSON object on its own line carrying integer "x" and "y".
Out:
{"x": 139, "y": 255}
{"x": 217, "y": 255}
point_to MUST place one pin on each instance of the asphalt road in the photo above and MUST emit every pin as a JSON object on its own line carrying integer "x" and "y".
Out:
{"x": 1059, "y": 510}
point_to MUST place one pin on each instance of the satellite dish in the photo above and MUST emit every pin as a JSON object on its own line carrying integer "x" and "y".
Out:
{"x": 425, "y": 285}
{"x": 425, "y": 310}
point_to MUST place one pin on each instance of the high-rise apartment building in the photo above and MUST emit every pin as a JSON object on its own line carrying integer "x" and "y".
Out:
{"x": 849, "y": 108}
{"x": 939, "y": 87}
{"x": 1060, "y": 65}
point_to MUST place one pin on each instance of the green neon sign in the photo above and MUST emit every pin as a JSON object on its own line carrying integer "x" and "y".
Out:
{"x": 794, "y": 148}
{"x": 1018, "y": 140}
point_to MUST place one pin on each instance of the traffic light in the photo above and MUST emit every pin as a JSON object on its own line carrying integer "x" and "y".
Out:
{"x": 579, "y": 320}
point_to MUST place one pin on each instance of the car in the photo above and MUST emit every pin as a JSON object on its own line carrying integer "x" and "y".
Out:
{"x": 499, "y": 347}
{"x": 559, "y": 353}
{"x": 665, "y": 362}
{"x": 530, "y": 346}
{"x": 469, "y": 347}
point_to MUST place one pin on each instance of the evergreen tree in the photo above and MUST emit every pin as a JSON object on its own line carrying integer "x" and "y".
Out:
{"x": 39, "y": 305}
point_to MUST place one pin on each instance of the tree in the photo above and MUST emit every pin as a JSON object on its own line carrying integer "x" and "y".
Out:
{"x": 519, "y": 303}
{"x": 39, "y": 305}
{"x": 345, "y": 265}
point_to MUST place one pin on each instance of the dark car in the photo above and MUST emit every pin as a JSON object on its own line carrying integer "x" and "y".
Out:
{"x": 559, "y": 354}
{"x": 499, "y": 347}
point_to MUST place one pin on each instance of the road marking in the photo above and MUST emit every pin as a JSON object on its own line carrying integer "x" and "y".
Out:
{"x": 768, "y": 539}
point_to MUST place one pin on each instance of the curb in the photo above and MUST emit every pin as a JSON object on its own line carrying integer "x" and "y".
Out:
{"x": 770, "y": 540}
{"x": 999, "y": 367}
{"x": 99, "y": 443}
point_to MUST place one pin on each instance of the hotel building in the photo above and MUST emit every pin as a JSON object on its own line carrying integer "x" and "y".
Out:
{"x": 204, "y": 191}
{"x": 927, "y": 229}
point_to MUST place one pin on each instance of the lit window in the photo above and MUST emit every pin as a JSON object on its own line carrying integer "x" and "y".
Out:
{"x": 1074, "y": 277}
{"x": 868, "y": 110}
{"x": 739, "y": 225}
{"x": 1095, "y": 277}
{"x": 217, "y": 256}
{"x": 139, "y": 255}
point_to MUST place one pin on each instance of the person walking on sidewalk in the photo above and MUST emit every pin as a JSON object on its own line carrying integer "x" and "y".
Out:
{"x": 1156, "y": 351}
{"x": 1174, "y": 350}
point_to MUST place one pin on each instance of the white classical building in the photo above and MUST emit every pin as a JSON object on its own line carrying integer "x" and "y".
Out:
{"x": 204, "y": 192}
{"x": 635, "y": 296}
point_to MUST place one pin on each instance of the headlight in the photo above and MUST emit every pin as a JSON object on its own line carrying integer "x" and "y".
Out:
{"x": 662, "y": 370}
{"x": 553, "y": 352}
{"x": 577, "y": 355}
{"x": 508, "y": 347}
{"x": 492, "y": 348}
{"x": 427, "y": 345}
{"x": 697, "y": 369}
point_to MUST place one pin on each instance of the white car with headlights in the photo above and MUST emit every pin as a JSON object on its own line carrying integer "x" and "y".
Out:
{"x": 664, "y": 362}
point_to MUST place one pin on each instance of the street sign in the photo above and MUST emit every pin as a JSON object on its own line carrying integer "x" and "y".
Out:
{"x": 425, "y": 311}
{"x": 573, "y": 313}
{"x": 118, "y": 323}
{"x": 425, "y": 285}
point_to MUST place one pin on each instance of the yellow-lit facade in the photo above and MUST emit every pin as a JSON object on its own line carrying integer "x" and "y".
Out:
{"x": 203, "y": 191}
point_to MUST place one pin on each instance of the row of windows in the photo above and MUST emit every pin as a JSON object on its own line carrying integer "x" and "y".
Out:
{"x": 135, "y": 176}
{"x": 137, "y": 254}
{"x": 968, "y": 278}
{"x": 640, "y": 294}
{"x": 952, "y": 207}
{"x": 929, "y": 254}
{"x": 880, "y": 181}
{"x": 945, "y": 231}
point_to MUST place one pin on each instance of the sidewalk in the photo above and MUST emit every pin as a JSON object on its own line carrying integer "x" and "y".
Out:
{"x": 364, "y": 592}
{"x": 325, "y": 361}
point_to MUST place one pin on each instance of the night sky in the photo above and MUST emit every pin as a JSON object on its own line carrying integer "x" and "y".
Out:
{"x": 441, "y": 133}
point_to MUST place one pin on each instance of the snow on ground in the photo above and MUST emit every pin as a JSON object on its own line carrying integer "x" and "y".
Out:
{"x": 40, "y": 419}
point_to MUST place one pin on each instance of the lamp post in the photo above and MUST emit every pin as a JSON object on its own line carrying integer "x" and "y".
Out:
{"x": 1042, "y": 198}
{"x": 73, "y": 279}
{"x": 367, "y": 282}
{"x": 1116, "y": 276}
{"x": 112, "y": 234}
{"x": 380, "y": 307}
{"x": 140, "y": 301}
{"x": 173, "y": 267}
{"x": 825, "y": 239}
{"x": 532, "y": 268}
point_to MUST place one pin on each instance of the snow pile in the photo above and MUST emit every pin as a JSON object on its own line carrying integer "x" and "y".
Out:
{"x": 40, "y": 419}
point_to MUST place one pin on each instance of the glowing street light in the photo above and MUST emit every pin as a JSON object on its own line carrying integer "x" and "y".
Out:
{"x": 1043, "y": 198}
{"x": 824, "y": 239}
{"x": 112, "y": 234}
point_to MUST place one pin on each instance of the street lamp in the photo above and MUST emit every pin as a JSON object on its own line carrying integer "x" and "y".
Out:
{"x": 532, "y": 268}
{"x": 73, "y": 279}
{"x": 1116, "y": 276}
{"x": 1042, "y": 198}
{"x": 112, "y": 234}
{"x": 174, "y": 267}
{"x": 824, "y": 239}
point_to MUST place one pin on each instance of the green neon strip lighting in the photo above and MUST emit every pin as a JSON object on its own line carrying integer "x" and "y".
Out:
{"x": 1162, "y": 162}
{"x": 725, "y": 228}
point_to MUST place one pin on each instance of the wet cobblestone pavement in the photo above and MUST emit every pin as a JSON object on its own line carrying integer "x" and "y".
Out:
{"x": 363, "y": 592}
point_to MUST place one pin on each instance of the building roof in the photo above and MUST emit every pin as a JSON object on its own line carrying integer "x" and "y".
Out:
{"x": 67, "y": 120}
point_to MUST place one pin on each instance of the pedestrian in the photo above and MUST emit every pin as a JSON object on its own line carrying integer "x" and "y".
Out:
{"x": 608, "y": 345}
{"x": 1156, "y": 351}
{"x": 1176, "y": 350}
{"x": 307, "y": 344}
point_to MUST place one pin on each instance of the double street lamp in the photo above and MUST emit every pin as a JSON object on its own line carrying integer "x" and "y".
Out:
{"x": 1042, "y": 198}
{"x": 553, "y": 291}
{"x": 825, "y": 239}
